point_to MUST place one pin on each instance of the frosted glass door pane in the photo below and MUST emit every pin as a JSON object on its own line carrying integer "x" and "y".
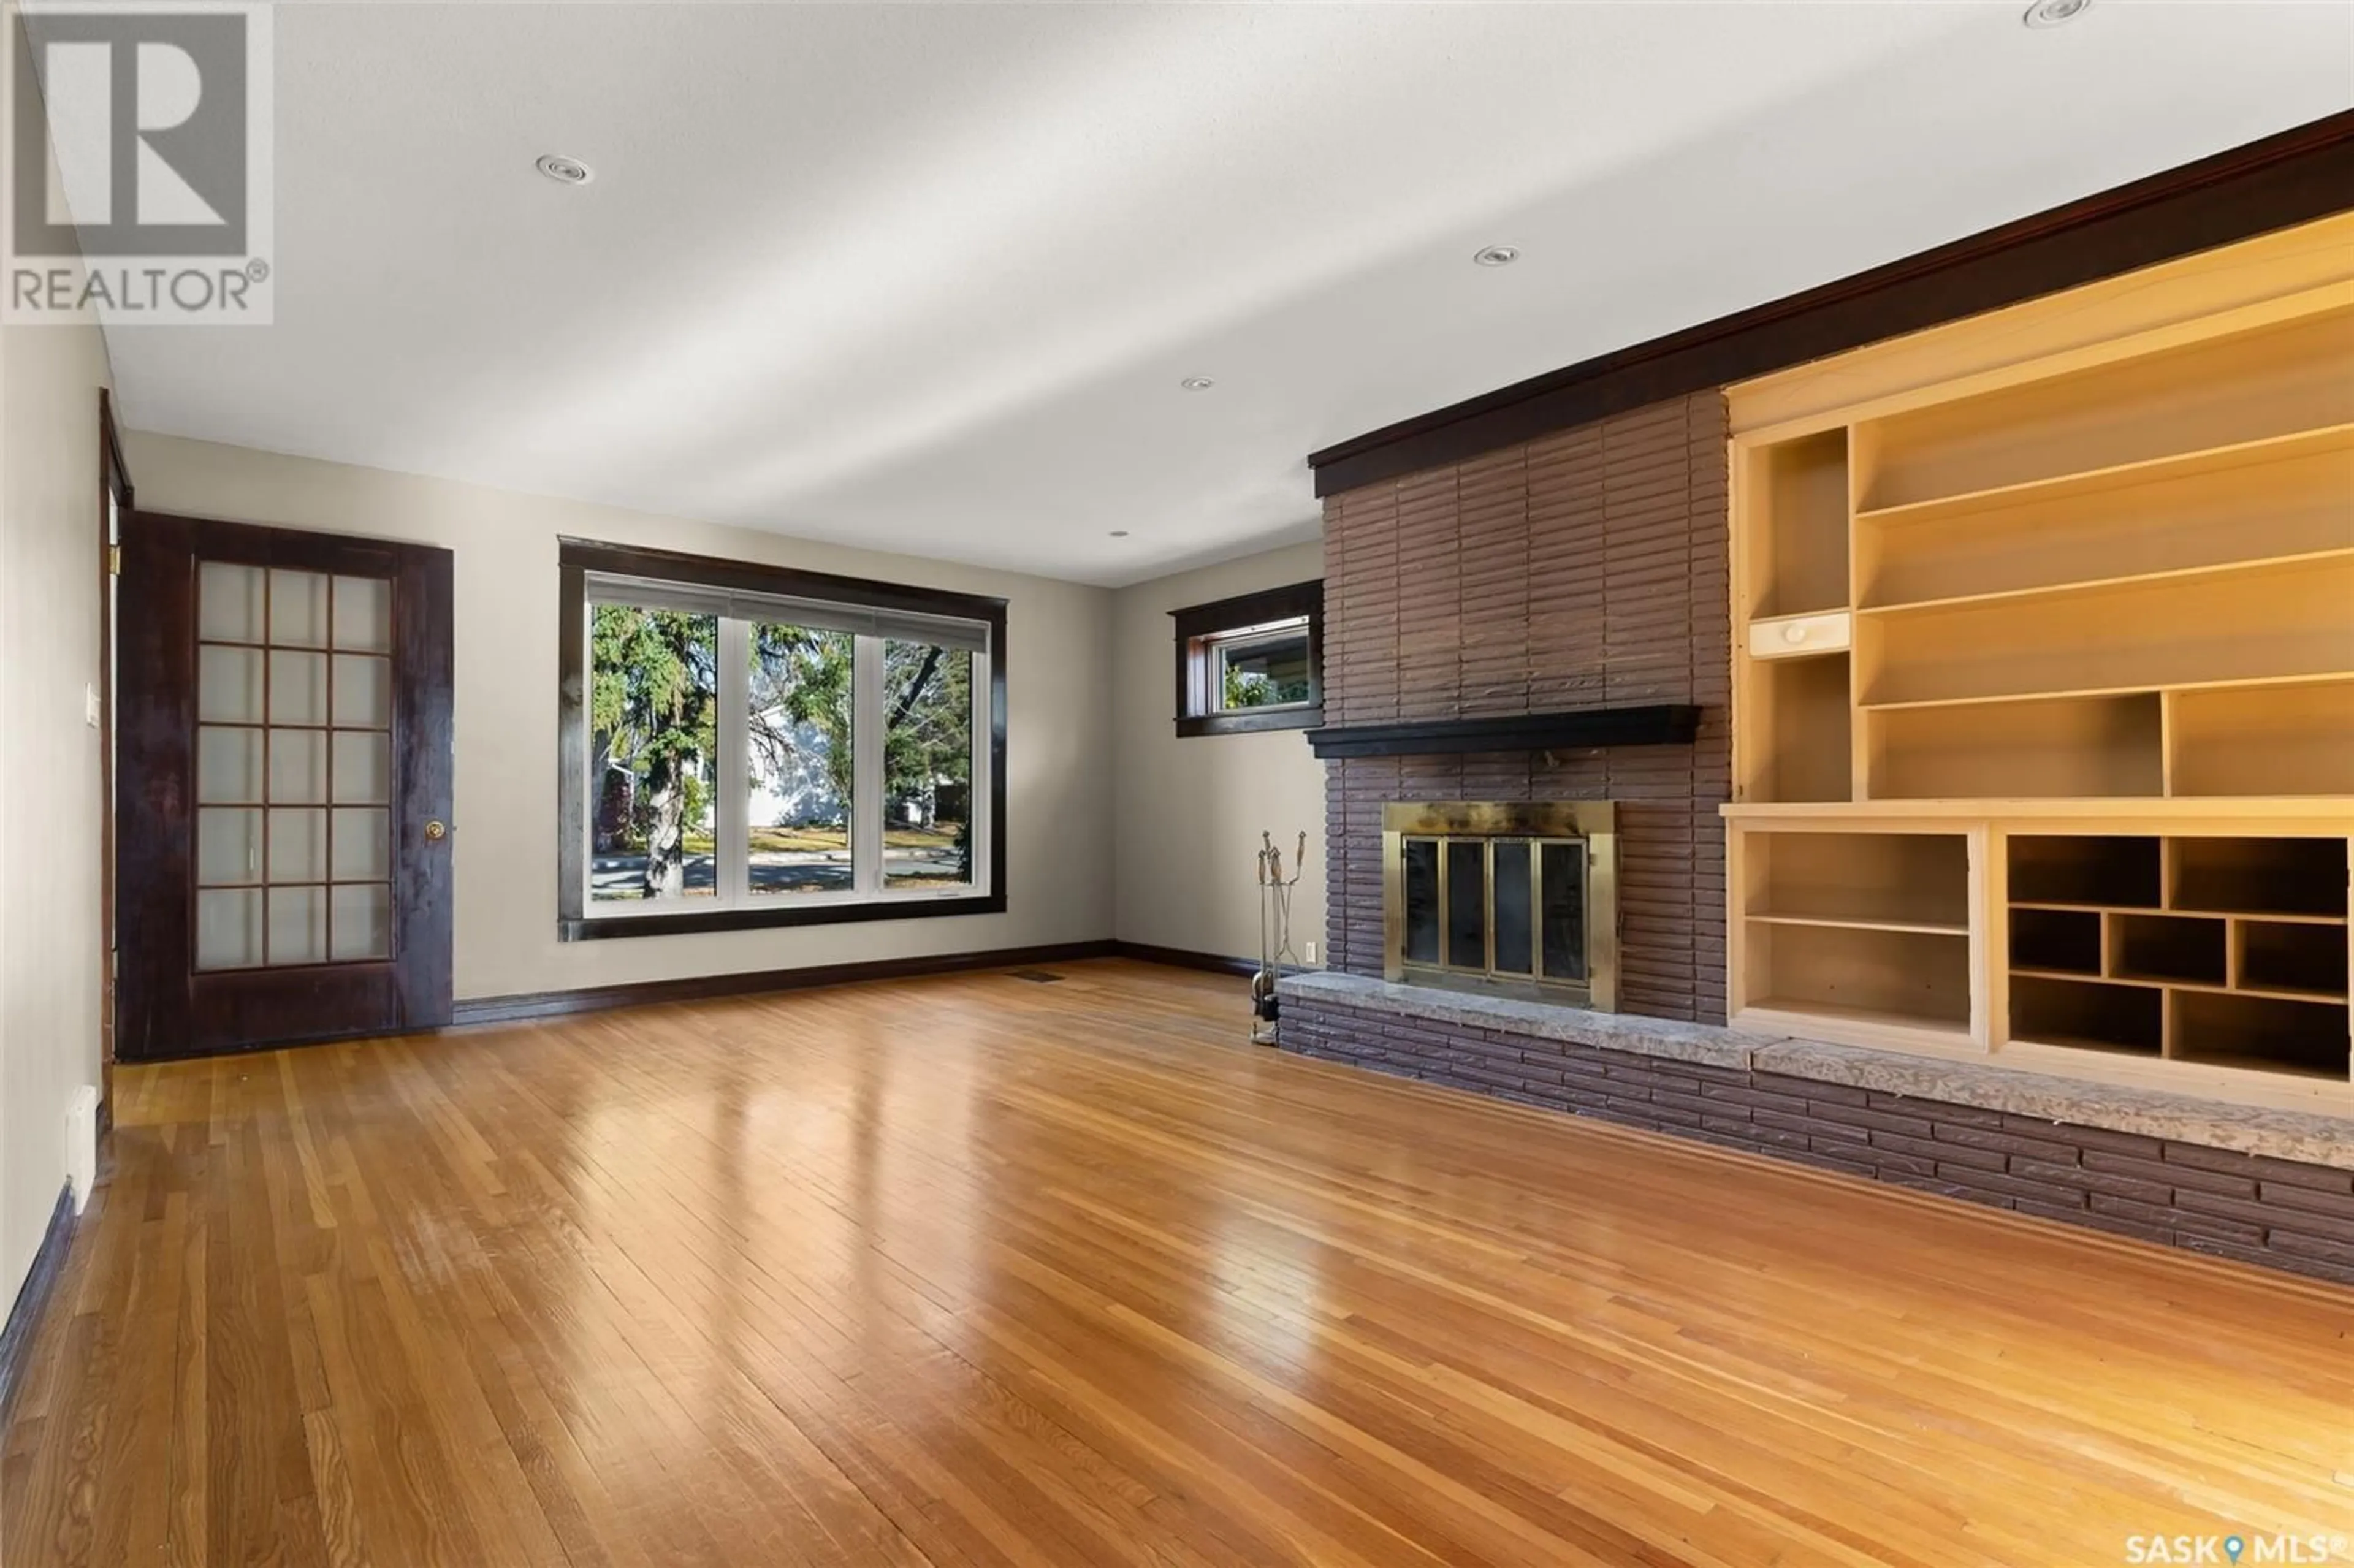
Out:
{"x": 363, "y": 768}
{"x": 363, "y": 692}
{"x": 364, "y": 614}
{"x": 298, "y": 924}
{"x": 362, "y": 844}
{"x": 228, "y": 846}
{"x": 298, "y": 609}
{"x": 229, "y": 602}
{"x": 298, "y": 845}
{"x": 363, "y": 922}
{"x": 229, "y": 766}
{"x": 228, "y": 685}
{"x": 298, "y": 688}
{"x": 229, "y": 928}
{"x": 298, "y": 767}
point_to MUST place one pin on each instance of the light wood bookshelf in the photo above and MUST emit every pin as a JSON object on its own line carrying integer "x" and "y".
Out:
{"x": 2043, "y": 686}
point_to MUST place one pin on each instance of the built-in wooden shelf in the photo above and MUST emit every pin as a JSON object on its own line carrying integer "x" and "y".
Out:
{"x": 2305, "y": 814}
{"x": 2095, "y": 586}
{"x": 1928, "y": 928}
{"x": 2333, "y": 440}
{"x": 2080, "y": 658}
{"x": 2236, "y": 683}
{"x": 2280, "y": 380}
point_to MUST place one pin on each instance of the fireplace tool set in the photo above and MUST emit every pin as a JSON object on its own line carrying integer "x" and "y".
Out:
{"x": 1274, "y": 932}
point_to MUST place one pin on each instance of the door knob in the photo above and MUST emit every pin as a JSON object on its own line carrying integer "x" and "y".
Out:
{"x": 436, "y": 831}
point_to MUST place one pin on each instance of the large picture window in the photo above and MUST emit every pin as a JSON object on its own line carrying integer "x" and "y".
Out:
{"x": 746, "y": 747}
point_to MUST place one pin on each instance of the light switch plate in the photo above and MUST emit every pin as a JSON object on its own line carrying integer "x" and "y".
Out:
{"x": 89, "y": 707}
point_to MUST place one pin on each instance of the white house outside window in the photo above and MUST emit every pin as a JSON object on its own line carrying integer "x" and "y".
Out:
{"x": 743, "y": 751}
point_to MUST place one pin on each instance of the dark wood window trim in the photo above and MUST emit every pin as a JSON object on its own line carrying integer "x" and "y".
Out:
{"x": 1197, "y": 624}
{"x": 578, "y": 558}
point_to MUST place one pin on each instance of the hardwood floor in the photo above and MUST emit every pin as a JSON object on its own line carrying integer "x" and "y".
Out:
{"x": 975, "y": 1270}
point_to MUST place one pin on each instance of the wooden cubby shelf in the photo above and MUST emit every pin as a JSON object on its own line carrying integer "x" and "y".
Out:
{"x": 2299, "y": 960}
{"x": 2255, "y": 929}
{"x": 2259, "y": 877}
{"x": 2066, "y": 735}
{"x": 2053, "y": 1010}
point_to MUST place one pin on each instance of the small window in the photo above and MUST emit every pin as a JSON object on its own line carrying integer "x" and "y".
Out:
{"x": 1252, "y": 662}
{"x": 1260, "y": 668}
{"x": 748, "y": 746}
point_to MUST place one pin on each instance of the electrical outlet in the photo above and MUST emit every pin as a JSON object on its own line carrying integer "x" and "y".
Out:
{"x": 89, "y": 707}
{"x": 1312, "y": 952}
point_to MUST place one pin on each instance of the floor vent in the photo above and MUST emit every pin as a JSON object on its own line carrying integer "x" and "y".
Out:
{"x": 1035, "y": 976}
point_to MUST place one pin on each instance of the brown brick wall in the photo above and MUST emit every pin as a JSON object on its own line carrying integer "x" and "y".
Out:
{"x": 1584, "y": 570}
{"x": 2269, "y": 1212}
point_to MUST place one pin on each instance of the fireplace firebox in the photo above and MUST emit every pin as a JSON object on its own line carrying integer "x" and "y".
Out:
{"x": 1513, "y": 897}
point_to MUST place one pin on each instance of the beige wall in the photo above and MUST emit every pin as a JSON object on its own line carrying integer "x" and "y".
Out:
{"x": 1058, "y": 699}
{"x": 1189, "y": 812}
{"x": 50, "y": 813}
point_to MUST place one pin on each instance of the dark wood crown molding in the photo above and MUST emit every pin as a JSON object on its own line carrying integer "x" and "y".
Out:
{"x": 2293, "y": 177}
{"x": 1661, "y": 723}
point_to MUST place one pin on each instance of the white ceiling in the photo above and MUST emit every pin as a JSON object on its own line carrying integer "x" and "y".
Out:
{"x": 925, "y": 279}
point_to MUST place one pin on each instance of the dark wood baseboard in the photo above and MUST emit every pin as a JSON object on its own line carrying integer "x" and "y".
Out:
{"x": 33, "y": 1299}
{"x": 705, "y": 988}
{"x": 1181, "y": 958}
{"x": 1185, "y": 959}
{"x": 2294, "y": 177}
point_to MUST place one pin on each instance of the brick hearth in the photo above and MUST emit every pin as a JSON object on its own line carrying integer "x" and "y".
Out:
{"x": 2290, "y": 1215}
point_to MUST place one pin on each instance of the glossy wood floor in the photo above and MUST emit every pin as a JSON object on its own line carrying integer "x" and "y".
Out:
{"x": 977, "y": 1270}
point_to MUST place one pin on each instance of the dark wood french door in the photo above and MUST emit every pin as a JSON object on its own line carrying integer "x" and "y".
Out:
{"x": 283, "y": 795}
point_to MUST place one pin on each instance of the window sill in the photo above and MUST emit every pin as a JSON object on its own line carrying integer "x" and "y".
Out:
{"x": 1246, "y": 723}
{"x": 604, "y": 927}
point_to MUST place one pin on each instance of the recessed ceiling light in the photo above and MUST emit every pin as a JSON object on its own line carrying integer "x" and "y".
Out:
{"x": 1497, "y": 256}
{"x": 1197, "y": 383}
{"x": 1120, "y": 533}
{"x": 2051, "y": 13}
{"x": 565, "y": 171}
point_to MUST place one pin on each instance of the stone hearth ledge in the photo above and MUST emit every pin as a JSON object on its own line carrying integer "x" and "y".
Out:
{"x": 2310, "y": 1137}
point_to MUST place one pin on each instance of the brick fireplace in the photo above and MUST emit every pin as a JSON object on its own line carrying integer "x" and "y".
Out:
{"x": 1584, "y": 570}
{"x": 1584, "y": 576}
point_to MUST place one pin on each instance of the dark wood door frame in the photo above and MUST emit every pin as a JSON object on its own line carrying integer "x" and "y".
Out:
{"x": 167, "y": 1009}
{"x": 115, "y": 499}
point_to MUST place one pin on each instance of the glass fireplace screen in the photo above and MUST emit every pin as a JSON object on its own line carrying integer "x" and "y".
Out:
{"x": 1510, "y": 897}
